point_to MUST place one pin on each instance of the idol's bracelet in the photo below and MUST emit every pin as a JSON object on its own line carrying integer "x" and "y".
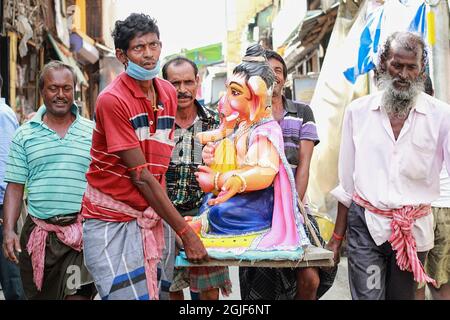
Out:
{"x": 244, "y": 183}
{"x": 216, "y": 181}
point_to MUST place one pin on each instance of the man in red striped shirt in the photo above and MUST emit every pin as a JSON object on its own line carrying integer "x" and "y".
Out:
{"x": 131, "y": 149}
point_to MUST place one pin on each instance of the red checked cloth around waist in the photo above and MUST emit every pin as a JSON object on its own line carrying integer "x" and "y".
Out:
{"x": 151, "y": 229}
{"x": 402, "y": 239}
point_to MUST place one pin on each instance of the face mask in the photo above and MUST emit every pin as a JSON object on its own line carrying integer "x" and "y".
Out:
{"x": 137, "y": 72}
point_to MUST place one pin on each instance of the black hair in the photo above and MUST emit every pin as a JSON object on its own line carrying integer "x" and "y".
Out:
{"x": 58, "y": 65}
{"x": 1, "y": 82}
{"x": 270, "y": 54}
{"x": 255, "y": 63}
{"x": 177, "y": 61}
{"x": 135, "y": 24}
{"x": 408, "y": 41}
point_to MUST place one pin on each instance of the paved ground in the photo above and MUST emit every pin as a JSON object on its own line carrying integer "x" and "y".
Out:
{"x": 339, "y": 291}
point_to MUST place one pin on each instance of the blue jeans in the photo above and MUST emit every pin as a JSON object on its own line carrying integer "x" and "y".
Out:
{"x": 9, "y": 274}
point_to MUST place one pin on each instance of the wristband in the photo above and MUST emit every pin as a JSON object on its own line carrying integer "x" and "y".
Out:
{"x": 139, "y": 169}
{"x": 183, "y": 231}
{"x": 142, "y": 166}
{"x": 337, "y": 237}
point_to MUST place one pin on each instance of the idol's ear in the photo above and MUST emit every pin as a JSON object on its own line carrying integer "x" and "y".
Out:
{"x": 259, "y": 93}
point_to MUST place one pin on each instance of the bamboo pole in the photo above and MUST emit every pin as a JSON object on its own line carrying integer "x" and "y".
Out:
{"x": 12, "y": 69}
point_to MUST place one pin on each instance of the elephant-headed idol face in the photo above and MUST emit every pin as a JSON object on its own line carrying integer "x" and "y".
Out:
{"x": 246, "y": 97}
{"x": 226, "y": 114}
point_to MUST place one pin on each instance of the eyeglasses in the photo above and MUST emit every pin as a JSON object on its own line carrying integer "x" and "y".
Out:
{"x": 139, "y": 48}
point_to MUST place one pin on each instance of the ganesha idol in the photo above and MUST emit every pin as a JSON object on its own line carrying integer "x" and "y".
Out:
{"x": 250, "y": 209}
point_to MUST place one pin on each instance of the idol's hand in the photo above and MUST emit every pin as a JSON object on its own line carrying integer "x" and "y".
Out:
{"x": 205, "y": 178}
{"x": 208, "y": 153}
{"x": 230, "y": 188}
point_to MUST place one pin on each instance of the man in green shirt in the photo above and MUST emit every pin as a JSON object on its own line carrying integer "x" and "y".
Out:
{"x": 50, "y": 154}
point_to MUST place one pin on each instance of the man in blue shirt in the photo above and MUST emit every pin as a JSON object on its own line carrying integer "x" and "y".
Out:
{"x": 9, "y": 272}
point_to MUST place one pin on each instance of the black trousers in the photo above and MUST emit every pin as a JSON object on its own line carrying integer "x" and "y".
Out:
{"x": 372, "y": 270}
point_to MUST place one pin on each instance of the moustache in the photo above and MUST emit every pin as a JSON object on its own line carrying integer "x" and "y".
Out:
{"x": 184, "y": 96}
{"x": 60, "y": 100}
{"x": 402, "y": 81}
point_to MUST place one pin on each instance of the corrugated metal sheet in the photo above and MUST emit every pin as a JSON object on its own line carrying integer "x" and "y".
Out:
{"x": 309, "y": 34}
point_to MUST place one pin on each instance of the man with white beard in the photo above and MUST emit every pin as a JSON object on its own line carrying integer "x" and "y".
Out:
{"x": 394, "y": 143}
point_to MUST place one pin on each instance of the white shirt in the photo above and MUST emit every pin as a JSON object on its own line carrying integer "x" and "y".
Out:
{"x": 389, "y": 173}
{"x": 444, "y": 198}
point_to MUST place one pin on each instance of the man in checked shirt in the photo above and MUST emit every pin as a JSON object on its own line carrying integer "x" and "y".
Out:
{"x": 182, "y": 187}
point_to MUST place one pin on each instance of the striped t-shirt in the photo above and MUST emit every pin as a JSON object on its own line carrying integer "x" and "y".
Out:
{"x": 297, "y": 124}
{"x": 53, "y": 168}
{"x": 126, "y": 119}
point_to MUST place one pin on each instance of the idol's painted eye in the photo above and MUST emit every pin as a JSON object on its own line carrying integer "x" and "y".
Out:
{"x": 235, "y": 92}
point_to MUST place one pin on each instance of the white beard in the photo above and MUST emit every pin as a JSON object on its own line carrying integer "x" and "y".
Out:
{"x": 398, "y": 103}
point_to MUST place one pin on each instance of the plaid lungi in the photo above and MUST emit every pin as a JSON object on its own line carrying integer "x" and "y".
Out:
{"x": 200, "y": 279}
{"x": 114, "y": 256}
{"x": 167, "y": 262}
